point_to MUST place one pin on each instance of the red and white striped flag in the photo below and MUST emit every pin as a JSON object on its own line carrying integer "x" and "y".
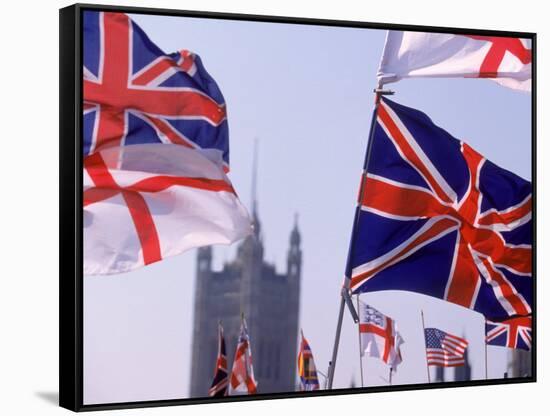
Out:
{"x": 242, "y": 374}
{"x": 379, "y": 336}
{"x": 420, "y": 54}
{"x": 146, "y": 202}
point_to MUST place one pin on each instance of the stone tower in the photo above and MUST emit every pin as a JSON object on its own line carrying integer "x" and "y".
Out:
{"x": 464, "y": 373}
{"x": 269, "y": 301}
{"x": 520, "y": 363}
{"x": 439, "y": 374}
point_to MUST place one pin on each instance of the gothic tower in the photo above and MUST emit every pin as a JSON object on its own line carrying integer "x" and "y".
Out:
{"x": 464, "y": 373}
{"x": 269, "y": 300}
{"x": 439, "y": 374}
{"x": 519, "y": 363}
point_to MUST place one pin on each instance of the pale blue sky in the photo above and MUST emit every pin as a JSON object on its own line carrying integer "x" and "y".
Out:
{"x": 306, "y": 93}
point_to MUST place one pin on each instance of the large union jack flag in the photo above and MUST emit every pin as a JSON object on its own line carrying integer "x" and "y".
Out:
{"x": 135, "y": 93}
{"x": 438, "y": 218}
{"x": 156, "y": 150}
{"x": 512, "y": 333}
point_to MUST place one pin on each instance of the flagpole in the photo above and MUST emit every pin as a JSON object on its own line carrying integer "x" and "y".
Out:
{"x": 425, "y": 349}
{"x": 360, "y": 351}
{"x": 485, "y": 339}
{"x": 345, "y": 290}
{"x": 332, "y": 363}
{"x": 249, "y": 348}
{"x": 391, "y": 371}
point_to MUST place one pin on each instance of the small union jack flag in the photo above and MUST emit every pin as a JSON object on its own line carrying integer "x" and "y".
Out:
{"x": 306, "y": 367}
{"x": 439, "y": 219}
{"x": 512, "y": 333}
{"x": 221, "y": 380}
{"x": 444, "y": 349}
{"x": 135, "y": 93}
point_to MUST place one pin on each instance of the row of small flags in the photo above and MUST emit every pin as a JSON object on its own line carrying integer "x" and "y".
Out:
{"x": 379, "y": 338}
{"x": 241, "y": 380}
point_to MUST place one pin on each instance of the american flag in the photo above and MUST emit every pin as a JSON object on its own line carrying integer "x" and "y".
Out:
{"x": 444, "y": 349}
{"x": 512, "y": 333}
{"x": 306, "y": 367}
{"x": 221, "y": 381}
{"x": 437, "y": 218}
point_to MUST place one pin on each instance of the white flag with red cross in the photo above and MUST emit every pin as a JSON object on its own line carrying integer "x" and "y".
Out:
{"x": 418, "y": 54}
{"x": 379, "y": 337}
{"x": 143, "y": 203}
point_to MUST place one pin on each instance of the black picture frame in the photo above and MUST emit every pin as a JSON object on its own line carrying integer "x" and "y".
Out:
{"x": 70, "y": 214}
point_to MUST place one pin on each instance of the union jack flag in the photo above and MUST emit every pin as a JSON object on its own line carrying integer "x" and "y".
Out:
{"x": 155, "y": 142}
{"x": 306, "y": 367}
{"x": 444, "y": 349}
{"x": 221, "y": 381}
{"x": 135, "y": 93}
{"x": 512, "y": 333}
{"x": 438, "y": 218}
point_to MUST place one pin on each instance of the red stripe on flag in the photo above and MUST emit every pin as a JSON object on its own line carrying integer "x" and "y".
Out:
{"x": 410, "y": 154}
{"x": 497, "y": 51}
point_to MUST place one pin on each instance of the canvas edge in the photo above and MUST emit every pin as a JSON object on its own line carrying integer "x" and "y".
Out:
{"x": 70, "y": 211}
{"x": 70, "y": 185}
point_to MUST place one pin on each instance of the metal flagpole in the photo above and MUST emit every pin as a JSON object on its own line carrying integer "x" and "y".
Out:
{"x": 249, "y": 350}
{"x": 344, "y": 294}
{"x": 360, "y": 349}
{"x": 486, "y": 366}
{"x": 332, "y": 363}
{"x": 424, "y": 335}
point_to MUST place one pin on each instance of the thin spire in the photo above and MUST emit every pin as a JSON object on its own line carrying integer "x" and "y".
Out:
{"x": 253, "y": 193}
{"x": 254, "y": 200}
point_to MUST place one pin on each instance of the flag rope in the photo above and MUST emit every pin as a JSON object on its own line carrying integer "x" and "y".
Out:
{"x": 485, "y": 339}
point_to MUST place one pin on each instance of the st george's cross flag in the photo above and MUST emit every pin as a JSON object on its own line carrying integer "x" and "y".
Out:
{"x": 307, "y": 371}
{"x": 419, "y": 54}
{"x": 379, "y": 336}
{"x": 444, "y": 349}
{"x": 155, "y": 201}
{"x": 155, "y": 151}
{"x": 221, "y": 379}
{"x": 242, "y": 379}
{"x": 513, "y": 333}
{"x": 437, "y": 218}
